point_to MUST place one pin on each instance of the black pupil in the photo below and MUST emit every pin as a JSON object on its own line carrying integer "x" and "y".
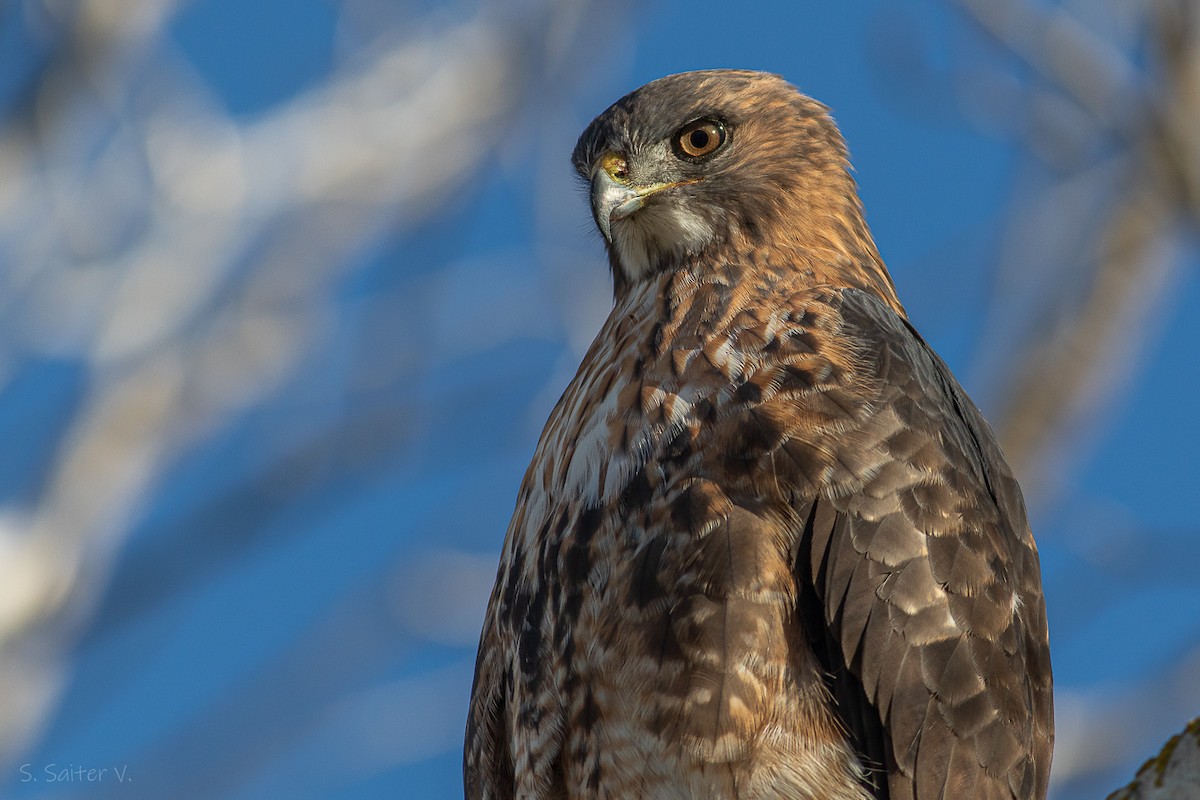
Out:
{"x": 699, "y": 138}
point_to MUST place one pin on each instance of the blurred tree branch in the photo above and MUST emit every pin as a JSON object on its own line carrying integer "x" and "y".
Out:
{"x": 187, "y": 258}
{"x": 1106, "y": 122}
{"x": 1174, "y": 774}
{"x": 1101, "y": 102}
{"x": 1083, "y": 341}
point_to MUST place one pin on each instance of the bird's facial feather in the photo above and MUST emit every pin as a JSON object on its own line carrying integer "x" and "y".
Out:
{"x": 615, "y": 196}
{"x": 707, "y": 156}
{"x": 725, "y": 166}
{"x": 643, "y": 204}
{"x": 659, "y": 231}
{"x": 647, "y": 204}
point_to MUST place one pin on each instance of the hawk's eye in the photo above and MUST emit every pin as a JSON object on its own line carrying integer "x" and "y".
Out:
{"x": 699, "y": 139}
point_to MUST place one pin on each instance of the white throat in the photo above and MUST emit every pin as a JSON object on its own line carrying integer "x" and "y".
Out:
{"x": 655, "y": 233}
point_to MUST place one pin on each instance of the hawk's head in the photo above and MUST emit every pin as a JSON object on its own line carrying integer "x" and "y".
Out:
{"x": 719, "y": 163}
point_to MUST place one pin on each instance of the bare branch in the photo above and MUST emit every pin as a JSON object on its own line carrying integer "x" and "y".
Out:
{"x": 187, "y": 260}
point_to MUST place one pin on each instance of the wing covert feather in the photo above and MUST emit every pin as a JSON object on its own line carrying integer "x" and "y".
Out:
{"x": 925, "y": 580}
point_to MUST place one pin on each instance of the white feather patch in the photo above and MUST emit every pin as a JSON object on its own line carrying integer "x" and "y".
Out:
{"x": 660, "y": 230}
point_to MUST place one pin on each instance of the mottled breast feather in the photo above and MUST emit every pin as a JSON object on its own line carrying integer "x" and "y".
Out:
{"x": 766, "y": 549}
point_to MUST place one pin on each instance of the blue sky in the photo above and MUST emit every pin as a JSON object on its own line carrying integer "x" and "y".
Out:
{"x": 215, "y": 592}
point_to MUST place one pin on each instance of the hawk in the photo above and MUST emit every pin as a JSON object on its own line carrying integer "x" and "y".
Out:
{"x": 767, "y": 548}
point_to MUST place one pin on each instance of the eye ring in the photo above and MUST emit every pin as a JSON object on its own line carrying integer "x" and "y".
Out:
{"x": 699, "y": 139}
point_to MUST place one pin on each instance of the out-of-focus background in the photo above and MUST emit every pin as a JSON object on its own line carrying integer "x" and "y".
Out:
{"x": 288, "y": 288}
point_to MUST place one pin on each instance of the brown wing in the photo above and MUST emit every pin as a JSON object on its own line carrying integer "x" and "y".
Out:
{"x": 920, "y": 588}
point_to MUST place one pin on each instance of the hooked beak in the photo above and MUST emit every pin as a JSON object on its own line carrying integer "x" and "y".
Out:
{"x": 612, "y": 201}
{"x": 613, "y": 197}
